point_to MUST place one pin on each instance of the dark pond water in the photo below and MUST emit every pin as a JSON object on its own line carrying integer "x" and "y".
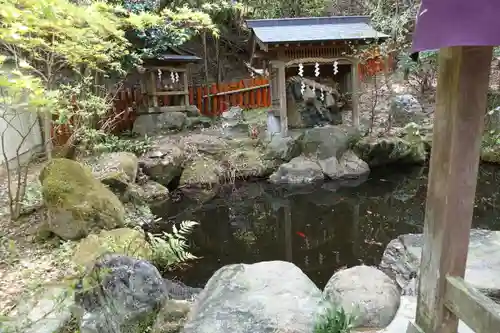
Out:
{"x": 320, "y": 229}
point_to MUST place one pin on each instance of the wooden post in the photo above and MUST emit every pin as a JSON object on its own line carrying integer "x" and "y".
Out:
{"x": 152, "y": 89}
{"x": 355, "y": 94}
{"x": 460, "y": 109}
{"x": 280, "y": 65}
{"x": 186, "y": 87}
{"x": 273, "y": 81}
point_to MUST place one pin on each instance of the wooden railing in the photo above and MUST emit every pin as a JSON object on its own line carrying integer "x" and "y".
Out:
{"x": 215, "y": 99}
{"x": 210, "y": 100}
{"x": 475, "y": 309}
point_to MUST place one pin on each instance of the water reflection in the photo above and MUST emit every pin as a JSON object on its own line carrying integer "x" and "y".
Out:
{"x": 320, "y": 229}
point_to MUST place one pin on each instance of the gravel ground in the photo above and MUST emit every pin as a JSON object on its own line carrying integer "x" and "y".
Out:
{"x": 24, "y": 263}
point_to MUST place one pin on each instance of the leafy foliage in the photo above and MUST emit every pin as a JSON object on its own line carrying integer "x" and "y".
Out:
{"x": 335, "y": 320}
{"x": 171, "y": 248}
{"x": 102, "y": 142}
{"x": 289, "y": 8}
{"x": 55, "y": 34}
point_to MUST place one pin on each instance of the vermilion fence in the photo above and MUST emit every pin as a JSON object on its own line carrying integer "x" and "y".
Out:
{"x": 210, "y": 100}
{"x": 217, "y": 98}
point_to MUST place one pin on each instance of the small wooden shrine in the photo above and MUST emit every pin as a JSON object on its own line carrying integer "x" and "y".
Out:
{"x": 165, "y": 80}
{"x": 318, "y": 50}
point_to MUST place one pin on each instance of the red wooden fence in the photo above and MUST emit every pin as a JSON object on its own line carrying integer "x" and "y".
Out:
{"x": 248, "y": 94}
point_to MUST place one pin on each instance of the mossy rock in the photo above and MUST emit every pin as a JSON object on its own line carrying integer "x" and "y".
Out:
{"x": 490, "y": 155}
{"x": 242, "y": 164}
{"x": 129, "y": 242}
{"x": 201, "y": 170}
{"x": 137, "y": 214}
{"x": 326, "y": 142}
{"x": 77, "y": 202}
{"x": 383, "y": 151}
{"x": 117, "y": 170}
{"x": 171, "y": 317}
{"x": 149, "y": 192}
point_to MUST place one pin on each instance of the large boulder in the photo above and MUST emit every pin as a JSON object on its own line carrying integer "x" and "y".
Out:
{"x": 149, "y": 192}
{"x": 123, "y": 295}
{"x": 366, "y": 292}
{"x": 349, "y": 166}
{"x": 282, "y": 148}
{"x": 130, "y": 242}
{"x": 247, "y": 163}
{"x": 201, "y": 171}
{"x": 300, "y": 170}
{"x": 272, "y": 296}
{"x": 406, "y": 108}
{"x": 401, "y": 261}
{"x": 326, "y": 142}
{"x": 122, "y": 166}
{"x": 163, "y": 163}
{"x": 201, "y": 178}
{"x": 150, "y": 123}
{"x": 116, "y": 170}
{"x": 77, "y": 202}
{"x": 383, "y": 151}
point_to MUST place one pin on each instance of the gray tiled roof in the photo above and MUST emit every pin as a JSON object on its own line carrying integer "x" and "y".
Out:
{"x": 314, "y": 29}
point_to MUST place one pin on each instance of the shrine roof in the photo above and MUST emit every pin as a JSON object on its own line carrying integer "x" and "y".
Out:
{"x": 175, "y": 54}
{"x": 303, "y": 29}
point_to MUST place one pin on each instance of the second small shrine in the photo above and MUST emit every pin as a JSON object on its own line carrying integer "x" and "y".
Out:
{"x": 312, "y": 57}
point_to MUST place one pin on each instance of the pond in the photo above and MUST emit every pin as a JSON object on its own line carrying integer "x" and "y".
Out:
{"x": 321, "y": 228}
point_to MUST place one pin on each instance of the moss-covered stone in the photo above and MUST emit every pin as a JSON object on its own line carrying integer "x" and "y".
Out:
{"x": 248, "y": 163}
{"x": 171, "y": 317}
{"x": 77, "y": 202}
{"x": 148, "y": 192}
{"x": 326, "y": 142}
{"x": 116, "y": 170}
{"x": 201, "y": 170}
{"x": 137, "y": 214}
{"x": 383, "y": 151}
{"x": 129, "y": 242}
{"x": 490, "y": 155}
{"x": 164, "y": 163}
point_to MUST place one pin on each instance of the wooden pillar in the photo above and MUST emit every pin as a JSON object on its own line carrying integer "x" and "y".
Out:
{"x": 186, "y": 87}
{"x": 153, "y": 99}
{"x": 273, "y": 81}
{"x": 282, "y": 95}
{"x": 355, "y": 94}
{"x": 459, "y": 119}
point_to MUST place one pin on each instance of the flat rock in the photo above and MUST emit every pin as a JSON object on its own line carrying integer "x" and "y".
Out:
{"x": 47, "y": 312}
{"x": 401, "y": 260}
{"x": 300, "y": 170}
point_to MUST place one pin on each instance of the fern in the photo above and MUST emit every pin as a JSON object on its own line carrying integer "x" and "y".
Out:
{"x": 171, "y": 248}
{"x": 335, "y": 320}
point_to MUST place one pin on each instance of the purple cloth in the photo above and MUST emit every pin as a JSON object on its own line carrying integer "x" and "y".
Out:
{"x": 445, "y": 23}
